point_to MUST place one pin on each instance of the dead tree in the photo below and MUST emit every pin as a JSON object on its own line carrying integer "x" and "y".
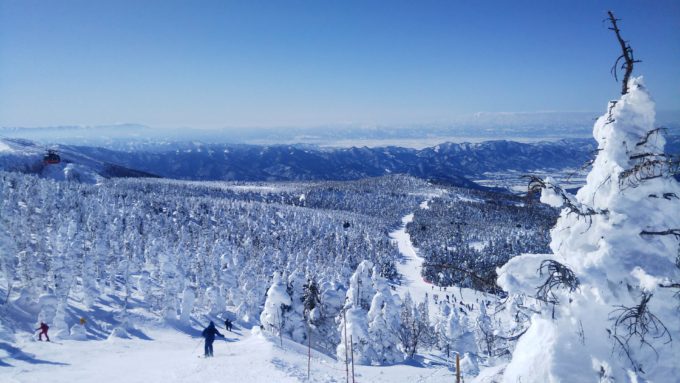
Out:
{"x": 626, "y": 59}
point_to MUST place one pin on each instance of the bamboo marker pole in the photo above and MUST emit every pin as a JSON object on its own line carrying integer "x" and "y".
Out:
{"x": 351, "y": 348}
{"x": 280, "y": 327}
{"x": 309, "y": 350}
{"x": 457, "y": 368}
{"x": 344, "y": 320}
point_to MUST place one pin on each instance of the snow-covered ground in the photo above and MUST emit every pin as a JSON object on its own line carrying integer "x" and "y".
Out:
{"x": 169, "y": 355}
{"x": 166, "y": 353}
{"x": 163, "y": 352}
{"x": 414, "y": 284}
{"x": 410, "y": 267}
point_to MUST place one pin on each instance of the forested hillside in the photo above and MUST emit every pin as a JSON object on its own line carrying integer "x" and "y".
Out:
{"x": 157, "y": 241}
{"x": 465, "y": 235}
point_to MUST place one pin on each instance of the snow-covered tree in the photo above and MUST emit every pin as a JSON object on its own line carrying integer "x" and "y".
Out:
{"x": 311, "y": 301}
{"x": 88, "y": 273}
{"x": 325, "y": 314}
{"x": 277, "y": 302}
{"x": 360, "y": 292}
{"x": 462, "y": 332}
{"x": 295, "y": 315}
{"x": 415, "y": 330}
{"x": 170, "y": 281}
{"x": 353, "y": 321}
{"x": 188, "y": 299}
{"x": 7, "y": 258}
{"x": 214, "y": 300}
{"x": 384, "y": 322}
{"x": 150, "y": 239}
{"x": 608, "y": 314}
{"x": 486, "y": 338}
{"x": 446, "y": 327}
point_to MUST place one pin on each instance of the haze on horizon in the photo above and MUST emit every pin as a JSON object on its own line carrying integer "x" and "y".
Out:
{"x": 219, "y": 64}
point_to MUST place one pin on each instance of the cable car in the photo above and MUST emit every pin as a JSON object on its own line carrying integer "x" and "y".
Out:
{"x": 51, "y": 157}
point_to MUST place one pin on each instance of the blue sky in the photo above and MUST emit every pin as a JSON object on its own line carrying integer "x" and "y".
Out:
{"x": 211, "y": 64}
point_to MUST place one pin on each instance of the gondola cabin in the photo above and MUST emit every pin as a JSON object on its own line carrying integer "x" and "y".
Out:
{"x": 51, "y": 157}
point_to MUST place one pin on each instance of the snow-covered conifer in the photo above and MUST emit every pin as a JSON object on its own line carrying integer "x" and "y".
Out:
{"x": 170, "y": 282}
{"x": 59, "y": 327}
{"x": 188, "y": 298}
{"x": 214, "y": 300}
{"x": 353, "y": 322}
{"x": 443, "y": 328}
{"x": 411, "y": 328}
{"x": 384, "y": 322}
{"x": 311, "y": 301}
{"x": 7, "y": 257}
{"x": 295, "y": 321}
{"x": 277, "y": 302}
{"x": 607, "y": 315}
{"x": 484, "y": 332}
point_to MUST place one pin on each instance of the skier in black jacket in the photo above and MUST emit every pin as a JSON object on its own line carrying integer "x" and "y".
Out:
{"x": 209, "y": 335}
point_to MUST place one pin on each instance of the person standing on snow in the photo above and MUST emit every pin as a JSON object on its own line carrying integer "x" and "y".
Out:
{"x": 209, "y": 335}
{"x": 43, "y": 331}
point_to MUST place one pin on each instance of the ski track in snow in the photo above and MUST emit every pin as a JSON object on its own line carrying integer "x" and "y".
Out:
{"x": 412, "y": 282}
{"x": 411, "y": 264}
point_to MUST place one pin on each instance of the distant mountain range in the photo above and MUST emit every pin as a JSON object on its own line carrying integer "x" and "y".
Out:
{"x": 450, "y": 163}
{"x": 521, "y": 127}
{"x": 26, "y": 156}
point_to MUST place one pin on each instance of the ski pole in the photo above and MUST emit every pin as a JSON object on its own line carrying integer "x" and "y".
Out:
{"x": 197, "y": 344}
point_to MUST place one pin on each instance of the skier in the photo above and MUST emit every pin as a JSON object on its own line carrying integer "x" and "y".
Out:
{"x": 43, "y": 331}
{"x": 227, "y": 324}
{"x": 209, "y": 335}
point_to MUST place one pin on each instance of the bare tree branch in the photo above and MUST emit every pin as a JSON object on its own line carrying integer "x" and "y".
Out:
{"x": 559, "y": 277}
{"x": 535, "y": 185}
{"x": 675, "y": 232}
{"x": 626, "y": 55}
{"x": 637, "y": 322}
{"x": 649, "y": 134}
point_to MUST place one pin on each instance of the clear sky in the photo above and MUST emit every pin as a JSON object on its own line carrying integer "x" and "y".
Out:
{"x": 222, "y": 63}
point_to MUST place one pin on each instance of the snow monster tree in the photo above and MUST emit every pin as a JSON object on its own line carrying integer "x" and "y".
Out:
{"x": 609, "y": 292}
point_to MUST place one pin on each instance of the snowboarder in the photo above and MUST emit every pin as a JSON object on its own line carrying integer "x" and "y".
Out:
{"x": 209, "y": 335}
{"x": 43, "y": 331}
{"x": 227, "y": 324}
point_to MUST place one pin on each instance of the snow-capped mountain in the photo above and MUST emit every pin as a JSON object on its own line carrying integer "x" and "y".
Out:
{"x": 451, "y": 163}
{"x": 29, "y": 157}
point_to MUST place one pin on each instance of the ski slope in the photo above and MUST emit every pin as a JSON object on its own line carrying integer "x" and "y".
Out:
{"x": 410, "y": 267}
{"x": 413, "y": 283}
{"x": 171, "y": 356}
{"x": 165, "y": 352}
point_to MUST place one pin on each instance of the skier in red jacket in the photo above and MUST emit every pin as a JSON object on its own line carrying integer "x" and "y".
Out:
{"x": 43, "y": 330}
